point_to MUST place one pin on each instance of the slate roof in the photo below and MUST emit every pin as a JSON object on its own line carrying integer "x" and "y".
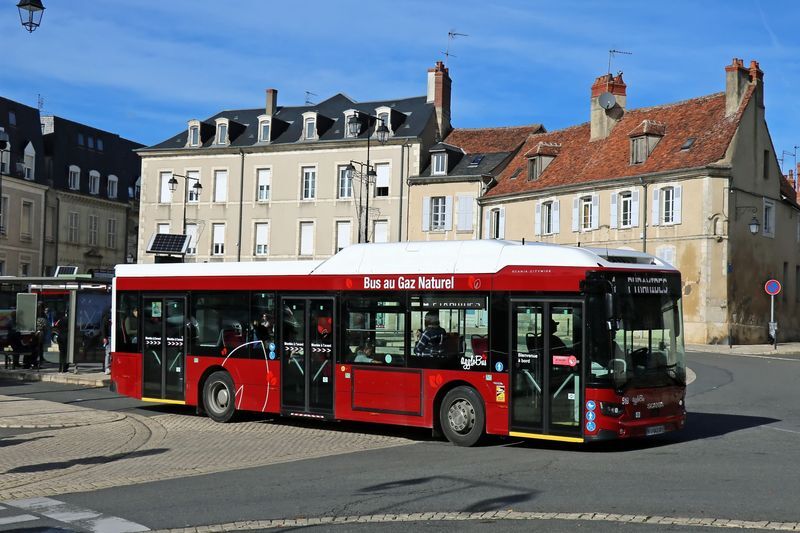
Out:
{"x": 581, "y": 161}
{"x": 495, "y": 145}
{"x": 418, "y": 113}
{"x": 27, "y": 129}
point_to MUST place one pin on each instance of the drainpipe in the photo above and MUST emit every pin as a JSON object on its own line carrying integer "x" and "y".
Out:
{"x": 241, "y": 206}
{"x": 644, "y": 216}
{"x": 402, "y": 180}
{"x": 56, "y": 231}
{"x": 43, "y": 233}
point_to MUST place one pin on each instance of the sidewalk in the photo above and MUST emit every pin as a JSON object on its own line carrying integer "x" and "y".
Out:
{"x": 785, "y": 348}
{"x": 86, "y": 374}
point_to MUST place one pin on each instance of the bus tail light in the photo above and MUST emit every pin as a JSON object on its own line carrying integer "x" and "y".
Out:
{"x": 612, "y": 409}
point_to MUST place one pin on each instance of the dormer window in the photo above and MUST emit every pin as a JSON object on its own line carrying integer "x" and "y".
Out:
{"x": 94, "y": 182}
{"x": 535, "y": 168}
{"x": 29, "y": 162}
{"x": 194, "y": 134}
{"x": 112, "y": 186}
{"x": 74, "y": 179}
{"x": 310, "y": 128}
{"x": 264, "y": 130}
{"x": 644, "y": 139}
{"x": 540, "y": 157}
{"x": 222, "y": 131}
{"x": 439, "y": 166}
{"x": 384, "y": 115}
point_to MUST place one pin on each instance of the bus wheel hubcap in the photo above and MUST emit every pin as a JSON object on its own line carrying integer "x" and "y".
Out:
{"x": 220, "y": 397}
{"x": 461, "y": 416}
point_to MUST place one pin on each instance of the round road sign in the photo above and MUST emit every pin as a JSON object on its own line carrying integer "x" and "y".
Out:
{"x": 772, "y": 287}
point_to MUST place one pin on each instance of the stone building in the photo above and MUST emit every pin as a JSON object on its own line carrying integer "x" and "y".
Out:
{"x": 696, "y": 182}
{"x": 274, "y": 181}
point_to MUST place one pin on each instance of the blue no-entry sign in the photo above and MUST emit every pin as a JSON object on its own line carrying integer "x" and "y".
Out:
{"x": 772, "y": 287}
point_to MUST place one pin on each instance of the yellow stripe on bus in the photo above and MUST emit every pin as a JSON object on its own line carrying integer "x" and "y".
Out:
{"x": 160, "y": 400}
{"x": 545, "y": 437}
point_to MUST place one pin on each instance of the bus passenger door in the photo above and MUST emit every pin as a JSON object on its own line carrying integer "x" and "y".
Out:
{"x": 307, "y": 355}
{"x": 164, "y": 347}
{"x": 546, "y": 360}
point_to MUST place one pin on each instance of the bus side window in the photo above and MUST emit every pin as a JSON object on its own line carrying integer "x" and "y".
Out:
{"x": 373, "y": 330}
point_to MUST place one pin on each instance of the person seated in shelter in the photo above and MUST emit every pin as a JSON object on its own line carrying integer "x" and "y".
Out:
{"x": 432, "y": 339}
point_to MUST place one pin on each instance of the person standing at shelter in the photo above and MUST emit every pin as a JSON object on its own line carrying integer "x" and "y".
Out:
{"x": 62, "y": 326}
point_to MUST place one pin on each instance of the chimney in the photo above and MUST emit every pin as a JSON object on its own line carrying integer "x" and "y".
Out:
{"x": 272, "y": 102}
{"x": 604, "y": 119}
{"x": 439, "y": 94}
{"x": 737, "y": 79}
{"x": 757, "y": 79}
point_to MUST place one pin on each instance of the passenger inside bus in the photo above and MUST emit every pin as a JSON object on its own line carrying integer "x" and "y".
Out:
{"x": 535, "y": 343}
{"x": 432, "y": 341}
{"x": 365, "y": 354}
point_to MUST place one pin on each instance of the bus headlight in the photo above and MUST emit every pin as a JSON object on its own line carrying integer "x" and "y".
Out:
{"x": 612, "y": 409}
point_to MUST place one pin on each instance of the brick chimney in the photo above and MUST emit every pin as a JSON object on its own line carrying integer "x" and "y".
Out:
{"x": 272, "y": 102}
{"x": 757, "y": 79}
{"x": 737, "y": 79}
{"x": 439, "y": 94}
{"x": 604, "y": 120}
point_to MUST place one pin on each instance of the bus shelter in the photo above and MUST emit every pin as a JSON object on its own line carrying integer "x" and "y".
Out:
{"x": 78, "y": 306}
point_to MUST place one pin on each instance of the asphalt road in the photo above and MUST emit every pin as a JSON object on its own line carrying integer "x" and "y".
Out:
{"x": 737, "y": 460}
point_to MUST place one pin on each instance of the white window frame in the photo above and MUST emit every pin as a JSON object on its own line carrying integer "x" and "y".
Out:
{"x": 29, "y": 161}
{"x": 305, "y": 248}
{"x": 585, "y": 213}
{"x": 344, "y": 183}
{"x": 222, "y": 132}
{"x": 438, "y": 213}
{"x": 263, "y": 184}
{"x": 768, "y": 216}
{"x": 439, "y": 164}
{"x": 344, "y": 234}
{"x": 308, "y": 183}
{"x": 261, "y": 239}
{"x": 74, "y": 178}
{"x": 638, "y": 150}
{"x": 217, "y": 246}
{"x": 74, "y": 226}
{"x": 94, "y": 182}
{"x": 312, "y": 122}
{"x": 261, "y": 137}
{"x": 93, "y": 226}
{"x": 383, "y": 180}
{"x": 163, "y": 228}
{"x": 192, "y": 194}
{"x": 191, "y": 231}
{"x": 220, "y": 190}
{"x": 375, "y": 232}
{"x": 111, "y": 233}
{"x": 495, "y": 223}
{"x": 3, "y": 214}
{"x": 667, "y": 205}
{"x": 112, "y": 186}
{"x": 194, "y": 134}
{"x": 164, "y": 194}
{"x": 26, "y": 205}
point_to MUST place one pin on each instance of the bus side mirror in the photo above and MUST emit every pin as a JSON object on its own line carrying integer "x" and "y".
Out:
{"x": 612, "y": 323}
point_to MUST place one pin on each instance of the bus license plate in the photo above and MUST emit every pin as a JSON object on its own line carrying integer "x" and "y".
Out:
{"x": 654, "y": 430}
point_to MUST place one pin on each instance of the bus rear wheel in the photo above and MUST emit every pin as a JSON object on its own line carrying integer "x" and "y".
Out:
{"x": 462, "y": 416}
{"x": 219, "y": 397}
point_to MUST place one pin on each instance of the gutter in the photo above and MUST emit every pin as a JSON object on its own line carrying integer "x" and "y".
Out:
{"x": 241, "y": 206}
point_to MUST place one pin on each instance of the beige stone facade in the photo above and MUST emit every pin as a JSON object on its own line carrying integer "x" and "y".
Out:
{"x": 21, "y": 226}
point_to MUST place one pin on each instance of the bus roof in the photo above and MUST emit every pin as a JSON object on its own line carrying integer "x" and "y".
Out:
{"x": 443, "y": 257}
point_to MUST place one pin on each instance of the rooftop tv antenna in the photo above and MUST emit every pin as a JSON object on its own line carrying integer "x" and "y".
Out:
{"x": 451, "y": 35}
{"x": 612, "y": 53}
{"x": 40, "y": 102}
{"x": 607, "y": 100}
{"x": 309, "y": 94}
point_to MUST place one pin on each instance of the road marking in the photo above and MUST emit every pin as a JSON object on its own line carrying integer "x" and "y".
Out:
{"x": 76, "y": 516}
{"x": 783, "y": 429}
{"x": 16, "y": 519}
{"x": 495, "y": 515}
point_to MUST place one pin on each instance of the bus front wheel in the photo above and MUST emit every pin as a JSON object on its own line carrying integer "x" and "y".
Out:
{"x": 219, "y": 397}
{"x": 462, "y": 416}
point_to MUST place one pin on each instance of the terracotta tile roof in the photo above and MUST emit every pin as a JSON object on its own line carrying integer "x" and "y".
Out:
{"x": 581, "y": 161}
{"x": 491, "y": 140}
{"x": 787, "y": 191}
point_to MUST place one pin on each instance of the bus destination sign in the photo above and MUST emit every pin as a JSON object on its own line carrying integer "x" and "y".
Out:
{"x": 646, "y": 284}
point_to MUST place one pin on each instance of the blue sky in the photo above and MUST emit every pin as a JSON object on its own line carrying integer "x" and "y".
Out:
{"x": 143, "y": 68}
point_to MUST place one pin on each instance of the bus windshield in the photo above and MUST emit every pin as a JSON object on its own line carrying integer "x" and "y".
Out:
{"x": 640, "y": 342}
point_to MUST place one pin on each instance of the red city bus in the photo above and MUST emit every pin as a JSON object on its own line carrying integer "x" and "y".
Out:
{"x": 527, "y": 340}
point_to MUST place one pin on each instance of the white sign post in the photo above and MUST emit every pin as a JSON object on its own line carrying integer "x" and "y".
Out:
{"x": 773, "y": 287}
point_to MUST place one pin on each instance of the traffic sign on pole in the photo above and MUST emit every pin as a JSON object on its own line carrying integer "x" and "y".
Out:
{"x": 772, "y": 287}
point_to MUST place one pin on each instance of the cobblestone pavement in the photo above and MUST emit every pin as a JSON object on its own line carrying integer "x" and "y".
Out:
{"x": 80, "y": 449}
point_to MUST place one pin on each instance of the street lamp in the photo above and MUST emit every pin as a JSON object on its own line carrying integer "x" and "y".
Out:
{"x": 173, "y": 186}
{"x": 4, "y": 147}
{"x": 30, "y": 14}
{"x": 354, "y": 124}
{"x": 754, "y": 226}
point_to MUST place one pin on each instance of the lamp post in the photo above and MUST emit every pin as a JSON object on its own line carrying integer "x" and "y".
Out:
{"x": 30, "y": 14}
{"x": 173, "y": 186}
{"x": 4, "y": 145}
{"x": 354, "y": 124}
{"x": 754, "y": 226}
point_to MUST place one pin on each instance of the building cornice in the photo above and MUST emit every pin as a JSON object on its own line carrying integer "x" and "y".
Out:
{"x": 430, "y": 180}
{"x": 275, "y": 148}
{"x": 710, "y": 171}
{"x": 79, "y": 197}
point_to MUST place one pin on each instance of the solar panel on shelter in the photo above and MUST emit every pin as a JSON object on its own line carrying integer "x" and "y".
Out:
{"x": 168, "y": 243}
